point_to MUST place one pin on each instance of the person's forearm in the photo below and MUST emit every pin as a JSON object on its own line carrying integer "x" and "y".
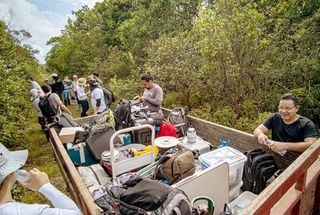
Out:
{"x": 153, "y": 101}
{"x": 257, "y": 132}
{"x": 57, "y": 198}
{"x": 296, "y": 147}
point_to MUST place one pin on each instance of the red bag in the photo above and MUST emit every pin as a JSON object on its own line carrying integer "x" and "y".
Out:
{"x": 167, "y": 129}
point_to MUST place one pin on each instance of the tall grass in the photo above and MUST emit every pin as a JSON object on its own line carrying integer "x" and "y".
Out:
{"x": 42, "y": 157}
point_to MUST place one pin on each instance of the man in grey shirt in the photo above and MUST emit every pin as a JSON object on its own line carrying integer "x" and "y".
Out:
{"x": 152, "y": 95}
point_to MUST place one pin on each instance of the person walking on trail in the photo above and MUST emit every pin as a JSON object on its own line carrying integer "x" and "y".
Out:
{"x": 74, "y": 90}
{"x": 97, "y": 97}
{"x": 96, "y": 77}
{"x": 54, "y": 104}
{"x": 35, "y": 99}
{"x": 290, "y": 131}
{"x": 57, "y": 85}
{"x": 107, "y": 93}
{"x": 10, "y": 163}
{"x": 82, "y": 96}
{"x": 66, "y": 91}
{"x": 153, "y": 95}
{"x": 34, "y": 84}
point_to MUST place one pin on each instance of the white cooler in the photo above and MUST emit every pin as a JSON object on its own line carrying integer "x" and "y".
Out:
{"x": 233, "y": 157}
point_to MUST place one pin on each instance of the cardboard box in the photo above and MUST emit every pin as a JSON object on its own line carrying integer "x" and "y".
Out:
{"x": 67, "y": 134}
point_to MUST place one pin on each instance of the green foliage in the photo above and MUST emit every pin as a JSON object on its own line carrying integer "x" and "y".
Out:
{"x": 225, "y": 60}
{"x": 126, "y": 88}
{"x": 15, "y": 62}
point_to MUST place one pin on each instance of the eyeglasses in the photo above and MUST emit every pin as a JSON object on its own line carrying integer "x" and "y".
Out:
{"x": 286, "y": 108}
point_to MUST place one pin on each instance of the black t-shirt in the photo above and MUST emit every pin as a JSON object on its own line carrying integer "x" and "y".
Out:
{"x": 57, "y": 87}
{"x": 295, "y": 132}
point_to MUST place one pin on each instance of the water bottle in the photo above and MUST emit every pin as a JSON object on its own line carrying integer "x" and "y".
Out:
{"x": 191, "y": 135}
{"x": 23, "y": 176}
{"x": 282, "y": 153}
{"x": 223, "y": 143}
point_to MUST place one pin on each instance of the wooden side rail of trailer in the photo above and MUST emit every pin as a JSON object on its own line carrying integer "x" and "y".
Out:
{"x": 295, "y": 191}
{"x": 76, "y": 186}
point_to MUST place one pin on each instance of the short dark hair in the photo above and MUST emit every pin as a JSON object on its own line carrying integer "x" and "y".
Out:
{"x": 96, "y": 74}
{"x": 290, "y": 96}
{"x": 29, "y": 77}
{"x": 146, "y": 77}
{"x": 46, "y": 88}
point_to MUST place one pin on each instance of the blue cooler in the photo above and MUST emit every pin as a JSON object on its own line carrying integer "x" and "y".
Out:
{"x": 79, "y": 154}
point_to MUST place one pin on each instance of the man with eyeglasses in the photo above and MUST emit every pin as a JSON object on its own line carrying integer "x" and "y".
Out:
{"x": 290, "y": 131}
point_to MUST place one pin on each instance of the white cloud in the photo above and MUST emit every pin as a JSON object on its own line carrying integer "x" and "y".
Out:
{"x": 42, "y": 23}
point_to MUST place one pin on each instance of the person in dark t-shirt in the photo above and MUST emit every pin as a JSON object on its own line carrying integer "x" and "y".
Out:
{"x": 290, "y": 131}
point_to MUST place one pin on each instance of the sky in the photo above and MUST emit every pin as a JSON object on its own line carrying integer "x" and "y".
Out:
{"x": 42, "y": 18}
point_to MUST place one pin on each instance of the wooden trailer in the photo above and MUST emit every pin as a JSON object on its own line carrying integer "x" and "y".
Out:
{"x": 295, "y": 191}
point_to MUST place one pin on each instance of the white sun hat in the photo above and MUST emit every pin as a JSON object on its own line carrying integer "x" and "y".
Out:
{"x": 11, "y": 161}
{"x": 34, "y": 93}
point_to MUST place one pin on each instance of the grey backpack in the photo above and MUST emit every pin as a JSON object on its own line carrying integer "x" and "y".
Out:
{"x": 178, "y": 117}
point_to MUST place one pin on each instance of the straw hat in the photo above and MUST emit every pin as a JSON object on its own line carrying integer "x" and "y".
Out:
{"x": 11, "y": 161}
{"x": 82, "y": 81}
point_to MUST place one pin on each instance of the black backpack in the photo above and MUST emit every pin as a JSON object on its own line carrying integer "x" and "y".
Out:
{"x": 46, "y": 108}
{"x": 108, "y": 96}
{"x": 135, "y": 194}
{"x": 122, "y": 114}
{"x": 258, "y": 168}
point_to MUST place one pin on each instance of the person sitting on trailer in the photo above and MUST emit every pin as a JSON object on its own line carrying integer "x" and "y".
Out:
{"x": 290, "y": 131}
{"x": 10, "y": 163}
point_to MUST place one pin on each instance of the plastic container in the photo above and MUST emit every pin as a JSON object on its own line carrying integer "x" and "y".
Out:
{"x": 234, "y": 191}
{"x": 223, "y": 143}
{"x": 191, "y": 135}
{"x": 23, "y": 176}
{"x": 233, "y": 157}
{"x": 241, "y": 202}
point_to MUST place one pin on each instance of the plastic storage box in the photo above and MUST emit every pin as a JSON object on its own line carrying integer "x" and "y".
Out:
{"x": 241, "y": 202}
{"x": 234, "y": 191}
{"x": 198, "y": 148}
{"x": 67, "y": 134}
{"x": 233, "y": 157}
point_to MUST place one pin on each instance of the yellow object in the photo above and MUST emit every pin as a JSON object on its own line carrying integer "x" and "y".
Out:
{"x": 145, "y": 150}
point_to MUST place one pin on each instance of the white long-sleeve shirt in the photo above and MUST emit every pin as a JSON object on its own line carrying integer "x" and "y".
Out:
{"x": 81, "y": 93}
{"x": 62, "y": 204}
{"x": 35, "y": 104}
